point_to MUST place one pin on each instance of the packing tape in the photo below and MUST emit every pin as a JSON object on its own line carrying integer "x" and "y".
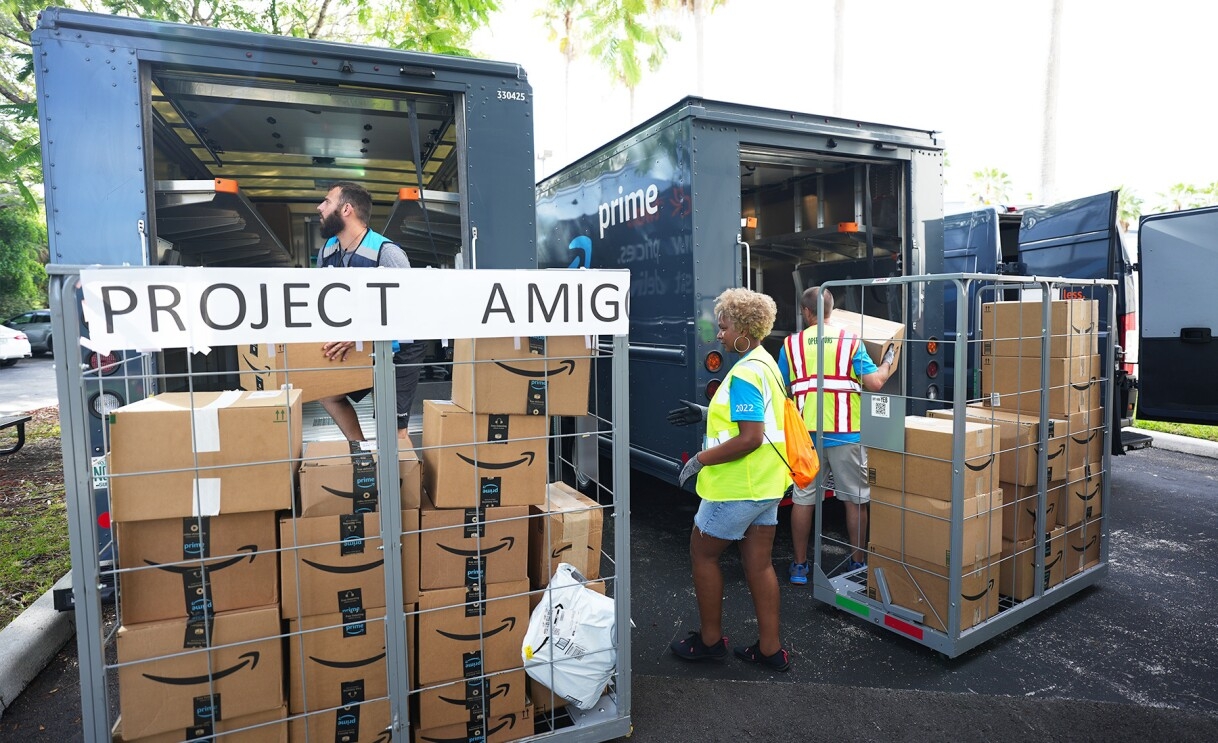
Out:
{"x": 207, "y": 497}
{"x": 205, "y": 421}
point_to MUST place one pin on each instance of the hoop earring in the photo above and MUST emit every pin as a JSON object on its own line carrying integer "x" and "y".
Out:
{"x": 736, "y": 342}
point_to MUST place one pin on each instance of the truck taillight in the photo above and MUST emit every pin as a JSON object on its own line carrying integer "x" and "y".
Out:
{"x": 107, "y": 363}
{"x": 713, "y": 362}
{"x": 712, "y": 387}
{"x": 1127, "y": 338}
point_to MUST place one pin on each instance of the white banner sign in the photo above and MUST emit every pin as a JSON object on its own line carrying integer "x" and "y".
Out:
{"x": 198, "y": 308}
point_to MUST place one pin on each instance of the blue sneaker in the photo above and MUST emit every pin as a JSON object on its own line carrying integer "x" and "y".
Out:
{"x": 852, "y": 566}
{"x": 799, "y": 573}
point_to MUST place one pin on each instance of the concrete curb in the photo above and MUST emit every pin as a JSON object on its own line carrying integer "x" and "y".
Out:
{"x": 1182, "y": 444}
{"x": 29, "y": 642}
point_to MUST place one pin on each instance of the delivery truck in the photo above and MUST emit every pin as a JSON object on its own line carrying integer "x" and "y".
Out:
{"x": 166, "y": 144}
{"x": 707, "y": 195}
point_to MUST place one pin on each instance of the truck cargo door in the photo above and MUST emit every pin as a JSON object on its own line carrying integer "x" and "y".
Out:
{"x": 1179, "y": 353}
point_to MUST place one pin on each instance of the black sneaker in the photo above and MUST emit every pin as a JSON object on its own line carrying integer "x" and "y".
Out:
{"x": 778, "y": 661}
{"x": 692, "y": 648}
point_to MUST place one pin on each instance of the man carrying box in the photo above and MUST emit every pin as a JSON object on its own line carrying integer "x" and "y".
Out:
{"x": 349, "y": 242}
{"x": 850, "y": 369}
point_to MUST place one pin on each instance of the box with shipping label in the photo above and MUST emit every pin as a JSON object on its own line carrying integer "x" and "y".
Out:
{"x": 472, "y": 546}
{"x": 877, "y": 334}
{"x": 1083, "y": 497}
{"x": 1021, "y": 508}
{"x": 237, "y": 670}
{"x": 328, "y": 653}
{"x": 566, "y": 528}
{"x": 922, "y": 587}
{"x": 1083, "y": 546}
{"x": 1017, "y": 577}
{"x": 270, "y": 366}
{"x": 1086, "y": 442}
{"x": 465, "y": 633}
{"x": 1014, "y": 328}
{"x": 500, "y": 728}
{"x": 465, "y": 700}
{"x": 541, "y": 376}
{"x": 195, "y": 565}
{"x": 358, "y": 721}
{"x": 926, "y": 466}
{"x": 1019, "y": 442}
{"x": 1014, "y": 384}
{"x": 483, "y": 460}
{"x": 334, "y": 564}
{"x": 339, "y": 477}
{"x": 173, "y": 454}
{"x": 921, "y": 527}
{"x": 270, "y": 726}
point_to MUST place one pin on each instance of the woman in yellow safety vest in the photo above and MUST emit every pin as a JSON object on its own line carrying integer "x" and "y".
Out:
{"x": 741, "y": 477}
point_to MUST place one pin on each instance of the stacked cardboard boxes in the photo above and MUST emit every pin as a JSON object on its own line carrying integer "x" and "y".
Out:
{"x": 911, "y": 520}
{"x": 270, "y": 366}
{"x": 196, "y": 479}
{"x": 1012, "y": 346}
{"x": 332, "y": 569}
{"x": 485, "y": 464}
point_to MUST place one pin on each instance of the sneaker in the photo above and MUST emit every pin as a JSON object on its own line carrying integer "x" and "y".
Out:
{"x": 799, "y": 573}
{"x": 852, "y": 566}
{"x": 778, "y": 661}
{"x": 692, "y": 648}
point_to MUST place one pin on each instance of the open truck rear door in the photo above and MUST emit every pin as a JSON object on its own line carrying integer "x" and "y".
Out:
{"x": 1179, "y": 263}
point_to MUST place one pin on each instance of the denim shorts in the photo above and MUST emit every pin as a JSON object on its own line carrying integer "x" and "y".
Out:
{"x": 729, "y": 519}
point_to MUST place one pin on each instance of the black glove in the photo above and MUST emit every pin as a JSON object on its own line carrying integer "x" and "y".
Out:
{"x": 691, "y": 468}
{"x": 689, "y": 413}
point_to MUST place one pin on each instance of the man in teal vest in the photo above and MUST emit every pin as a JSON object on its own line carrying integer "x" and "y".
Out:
{"x": 349, "y": 242}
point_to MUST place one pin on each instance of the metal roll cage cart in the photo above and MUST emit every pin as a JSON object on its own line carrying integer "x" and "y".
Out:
{"x": 847, "y": 590}
{"x": 95, "y": 572}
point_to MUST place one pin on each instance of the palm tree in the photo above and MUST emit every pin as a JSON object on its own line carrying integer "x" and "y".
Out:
{"x": 699, "y": 9}
{"x": 624, "y": 37}
{"x": 991, "y": 186}
{"x": 1048, "y": 142}
{"x": 839, "y": 55}
{"x": 564, "y": 22}
{"x": 1129, "y": 208}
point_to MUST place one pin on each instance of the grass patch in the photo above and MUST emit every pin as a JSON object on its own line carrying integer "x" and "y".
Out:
{"x": 1209, "y": 433}
{"x": 34, "y": 546}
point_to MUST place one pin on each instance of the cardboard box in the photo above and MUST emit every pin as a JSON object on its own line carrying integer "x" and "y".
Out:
{"x": 1084, "y": 496}
{"x": 1018, "y": 571}
{"x": 233, "y": 730}
{"x": 270, "y": 366}
{"x": 173, "y": 693}
{"x": 357, "y": 722}
{"x": 341, "y": 564}
{"x": 566, "y": 528}
{"x": 1019, "y": 442}
{"x": 1083, "y": 546}
{"x": 920, "y": 527}
{"x": 503, "y": 727}
{"x": 467, "y": 700}
{"x": 1015, "y": 328}
{"x": 539, "y": 376}
{"x": 165, "y": 437}
{"x": 1020, "y": 508}
{"x": 1086, "y": 442}
{"x": 922, "y": 587}
{"x": 1074, "y": 384}
{"x": 878, "y": 335}
{"x": 196, "y": 564}
{"x": 339, "y": 477}
{"x": 926, "y": 466}
{"x": 473, "y": 546}
{"x": 467, "y": 633}
{"x": 483, "y": 460}
{"x": 329, "y": 652}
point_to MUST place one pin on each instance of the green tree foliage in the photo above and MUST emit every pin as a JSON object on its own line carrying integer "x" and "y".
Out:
{"x": 991, "y": 186}
{"x": 23, "y": 239}
{"x": 626, "y": 38}
{"x": 1129, "y": 208}
{"x": 1187, "y": 196}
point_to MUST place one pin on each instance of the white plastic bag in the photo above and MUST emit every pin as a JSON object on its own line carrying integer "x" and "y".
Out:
{"x": 570, "y": 645}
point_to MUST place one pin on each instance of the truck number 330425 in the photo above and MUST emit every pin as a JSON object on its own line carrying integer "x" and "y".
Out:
{"x": 511, "y": 95}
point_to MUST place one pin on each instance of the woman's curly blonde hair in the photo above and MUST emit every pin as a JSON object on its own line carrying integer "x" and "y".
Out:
{"x": 750, "y": 312}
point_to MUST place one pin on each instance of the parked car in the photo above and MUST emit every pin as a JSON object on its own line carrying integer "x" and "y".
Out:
{"x": 36, "y": 324}
{"x": 14, "y": 346}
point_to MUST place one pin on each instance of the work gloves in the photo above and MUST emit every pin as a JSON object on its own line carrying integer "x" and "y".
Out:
{"x": 691, "y": 468}
{"x": 890, "y": 355}
{"x": 687, "y": 414}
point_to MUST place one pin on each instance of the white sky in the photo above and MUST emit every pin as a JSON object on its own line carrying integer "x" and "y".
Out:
{"x": 1137, "y": 81}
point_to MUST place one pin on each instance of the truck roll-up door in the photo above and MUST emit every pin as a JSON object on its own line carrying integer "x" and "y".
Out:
{"x": 1179, "y": 277}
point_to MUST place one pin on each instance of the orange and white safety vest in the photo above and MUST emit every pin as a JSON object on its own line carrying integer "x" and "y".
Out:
{"x": 842, "y": 385}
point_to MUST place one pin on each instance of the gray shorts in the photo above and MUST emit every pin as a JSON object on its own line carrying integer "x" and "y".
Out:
{"x": 847, "y": 465}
